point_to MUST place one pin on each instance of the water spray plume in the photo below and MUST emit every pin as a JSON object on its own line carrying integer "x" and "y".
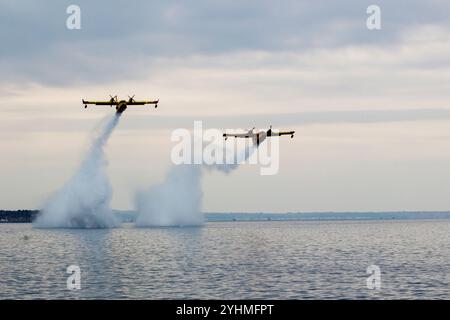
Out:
{"x": 177, "y": 200}
{"x": 84, "y": 201}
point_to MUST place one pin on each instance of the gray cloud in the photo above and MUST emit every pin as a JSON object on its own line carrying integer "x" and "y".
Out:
{"x": 278, "y": 120}
{"x": 117, "y": 37}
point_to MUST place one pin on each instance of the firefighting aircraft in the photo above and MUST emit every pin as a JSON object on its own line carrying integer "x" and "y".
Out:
{"x": 259, "y": 136}
{"x": 121, "y": 105}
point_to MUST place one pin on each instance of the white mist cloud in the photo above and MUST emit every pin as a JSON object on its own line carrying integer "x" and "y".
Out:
{"x": 177, "y": 201}
{"x": 84, "y": 201}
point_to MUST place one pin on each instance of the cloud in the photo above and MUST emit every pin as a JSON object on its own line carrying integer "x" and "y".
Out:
{"x": 118, "y": 39}
{"x": 283, "y": 120}
{"x": 409, "y": 74}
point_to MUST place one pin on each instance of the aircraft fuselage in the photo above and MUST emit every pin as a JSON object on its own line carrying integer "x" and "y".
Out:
{"x": 121, "y": 106}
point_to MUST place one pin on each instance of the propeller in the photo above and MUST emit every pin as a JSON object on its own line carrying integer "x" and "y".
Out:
{"x": 131, "y": 98}
{"x": 113, "y": 99}
{"x": 269, "y": 132}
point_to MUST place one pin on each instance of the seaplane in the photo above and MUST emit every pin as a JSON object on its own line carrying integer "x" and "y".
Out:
{"x": 121, "y": 105}
{"x": 259, "y": 136}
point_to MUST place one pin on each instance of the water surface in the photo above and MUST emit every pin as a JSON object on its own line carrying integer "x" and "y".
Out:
{"x": 230, "y": 260}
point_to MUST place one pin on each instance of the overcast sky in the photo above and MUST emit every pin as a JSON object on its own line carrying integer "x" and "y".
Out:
{"x": 370, "y": 107}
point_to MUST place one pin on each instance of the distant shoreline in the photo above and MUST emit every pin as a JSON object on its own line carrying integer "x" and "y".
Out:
{"x": 18, "y": 216}
{"x": 27, "y": 216}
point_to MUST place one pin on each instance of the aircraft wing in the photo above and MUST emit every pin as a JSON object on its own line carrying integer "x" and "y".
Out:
{"x": 100, "y": 103}
{"x": 140, "y": 103}
{"x": 282, "y": 133}
{"x": 239, "y": 135}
